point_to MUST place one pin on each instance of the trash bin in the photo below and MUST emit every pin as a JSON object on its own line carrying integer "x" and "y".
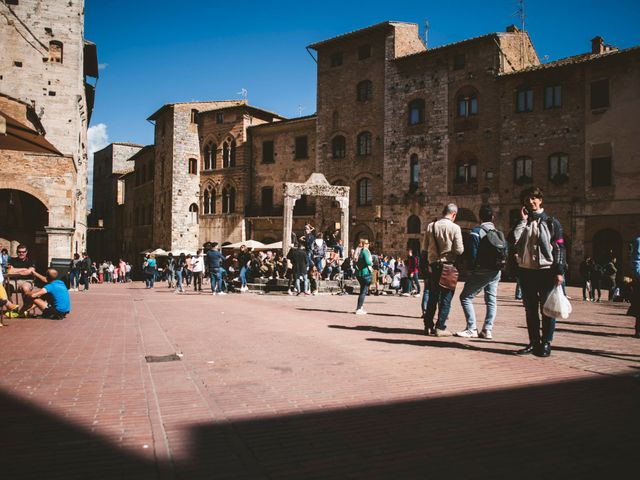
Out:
{"x": 62, "y": 266}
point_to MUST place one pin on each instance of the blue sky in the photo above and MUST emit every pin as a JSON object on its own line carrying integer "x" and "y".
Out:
{"x": 157, "y": 52}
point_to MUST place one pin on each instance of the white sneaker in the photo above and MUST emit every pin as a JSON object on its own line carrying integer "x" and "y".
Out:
{"x": 486, "y": 334}
{"x": 468, "y": 334}
{"x": 361, "y": 311}
{"x": 222, "y": 293}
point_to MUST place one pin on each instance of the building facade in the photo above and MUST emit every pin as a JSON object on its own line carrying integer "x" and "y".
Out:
{"x": 46, "y": 63}
{"x": 410, "y": 129}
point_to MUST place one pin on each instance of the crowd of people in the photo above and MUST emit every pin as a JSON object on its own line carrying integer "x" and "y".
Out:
{"x": 536, "y": 245}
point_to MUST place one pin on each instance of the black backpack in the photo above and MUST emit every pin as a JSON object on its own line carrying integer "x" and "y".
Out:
{"x": 492, "y": 251}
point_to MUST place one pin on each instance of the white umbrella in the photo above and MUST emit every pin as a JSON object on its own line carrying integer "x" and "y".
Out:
{"x": 177, "y": 253}
{"x": 272, "y": 246}
{"x": 144, "y": 252}
{"x": 158, "y": 252}
{"x": 248, "y": 243}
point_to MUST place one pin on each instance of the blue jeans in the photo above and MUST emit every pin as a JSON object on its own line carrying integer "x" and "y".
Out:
{"x": 179, "y": 280}
{"x": 536, "y": 287}
{"x": 438, "y": 297}
{"x": 364, "y": 289}
{"x": 318, "y": 262}
{"x": 425, "y": 295}
{"x": 305, "y": 283}
{"x": 150, "y": 280}
{"x": 243, "y": 276}
{"x": 479, "y": 280}
{"x": 216, "y": 280}
{"x": 74, "y": 279}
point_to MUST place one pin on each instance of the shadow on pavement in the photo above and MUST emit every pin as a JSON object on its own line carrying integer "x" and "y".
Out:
{"x": 371, "y": 328}
{"x": 565, "y": 430}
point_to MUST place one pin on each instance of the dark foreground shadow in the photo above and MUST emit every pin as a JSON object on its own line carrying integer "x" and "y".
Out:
{"x": 567, "y": 430}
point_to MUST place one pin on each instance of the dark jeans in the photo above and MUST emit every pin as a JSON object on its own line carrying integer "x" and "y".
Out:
{"x": 595, "y": 287}
{"x": 364, "y": 289}
{"x": 536, "y": 287}
{"x": 415, "y": 282}
{"x": 74, "y": 279}
{"x": 197, "y": 281}
{"x": 150, "y": 279}
{"x": 425, "y": 295}
{"x": 86, "y": 278}
{"x": 635, "y": 303}
{"x": 438, "y": 298}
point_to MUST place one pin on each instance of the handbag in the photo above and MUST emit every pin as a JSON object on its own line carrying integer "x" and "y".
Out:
{"x": 448, "y": 273}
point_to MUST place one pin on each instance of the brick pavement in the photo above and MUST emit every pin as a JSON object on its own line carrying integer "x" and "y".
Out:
{"x": 272, "y": 386}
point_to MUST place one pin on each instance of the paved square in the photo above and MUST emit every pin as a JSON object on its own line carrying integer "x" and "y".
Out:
{"x": 272, "y": 386}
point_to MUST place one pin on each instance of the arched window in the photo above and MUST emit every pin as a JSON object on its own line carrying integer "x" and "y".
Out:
{"x": 226, "y": 155}
{"x": 523, "y": 170}
{"x": 365, "y": 192}
{"x": 212, "y": 204}
{"x": 414, "y": 173}
{"x": 228, "y": 200}
{"x": 55, "y": 51}
{"x": 559, "y": 167}
{"x": 210, "y": 156}
{"x": 193, "y": 166}
{"x": 467, "y": 171}
{"x": 206, "y": 202}
{"x": 416, "y": 111}
{"x": 193, "y": 213}
{"x": 232, "y": 155}
{"x": 364, "y": 91}
{"x": 413, "y": 225}
{"x": 364, "y": 143}
{"x": 467, "y": 105}
{"x": 339, "y": 147}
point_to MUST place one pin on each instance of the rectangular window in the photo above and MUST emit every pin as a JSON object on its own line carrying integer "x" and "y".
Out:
{"x": 364, "y": 52}
{"x": 600, "y": 94}
{"x": 302, "y": 150}
{"x": 267, "y": 199}
{"x": 219, "y": 117}
{"x": 458, "y": 61}
{"x": 267, "y": 152}
{"x": 524, "y": 100}
{"x": 194, "y": 115}
{"x": 336, "y": 59}
{"x": 553, "y": 96}
{"x": 601, "y": 172}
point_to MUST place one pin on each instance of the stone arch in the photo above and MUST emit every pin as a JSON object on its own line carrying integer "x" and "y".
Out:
{"x": 5, "y": 185}
{"x": 606, "y": 244}
{"x": 414, "y": 224}
{"x": 362, "y": 230}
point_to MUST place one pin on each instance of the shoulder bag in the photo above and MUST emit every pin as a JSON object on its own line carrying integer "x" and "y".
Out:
{"x": 448, "y": 272}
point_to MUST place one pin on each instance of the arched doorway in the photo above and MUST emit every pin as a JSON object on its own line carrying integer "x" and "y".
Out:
{"x": 607, "y": 243}
{"x": 363, "y": 231}
{"x": 23, "y": 219}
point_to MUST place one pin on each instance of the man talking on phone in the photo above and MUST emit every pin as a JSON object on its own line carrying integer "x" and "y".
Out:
{"x": 540, "y": 253}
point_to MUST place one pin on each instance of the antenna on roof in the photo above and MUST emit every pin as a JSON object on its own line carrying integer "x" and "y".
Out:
{"x": 244, "y": 93}
{"x": 426, "y": 33}
{"x": 300, "y": 109}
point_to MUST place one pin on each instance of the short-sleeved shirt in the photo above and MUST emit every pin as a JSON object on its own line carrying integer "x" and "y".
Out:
{"x": 215, "y": 258}
{"x": 16, "y": 262}
{"x": 58, "y": 296}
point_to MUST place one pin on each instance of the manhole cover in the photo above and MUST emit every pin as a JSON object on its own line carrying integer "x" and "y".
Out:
{"x": 174, "y": 357}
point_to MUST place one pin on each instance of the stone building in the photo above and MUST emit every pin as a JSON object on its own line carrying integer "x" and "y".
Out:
{"x": 106, "y": 225}
{"x": 46, "y": 63}
{"x": 410, "y": 129}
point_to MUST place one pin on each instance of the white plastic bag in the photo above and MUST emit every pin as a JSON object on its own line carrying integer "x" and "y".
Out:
{"x": 557, "y": 304}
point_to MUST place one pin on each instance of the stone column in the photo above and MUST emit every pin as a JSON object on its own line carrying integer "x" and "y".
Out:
{"x": 59, "y": 242}
{"x": 344, "y": 223}
{"x": 287, "y": 221}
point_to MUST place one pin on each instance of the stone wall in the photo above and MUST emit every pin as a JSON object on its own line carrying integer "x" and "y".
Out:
{"x": 55, "y": 89}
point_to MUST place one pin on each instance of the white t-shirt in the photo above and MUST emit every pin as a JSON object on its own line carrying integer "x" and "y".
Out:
{"x": 198, "y": 264}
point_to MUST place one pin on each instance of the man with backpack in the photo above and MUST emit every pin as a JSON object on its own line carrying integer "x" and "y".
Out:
{"x": 540, "y": 252}
{"x": 487, "y": 258}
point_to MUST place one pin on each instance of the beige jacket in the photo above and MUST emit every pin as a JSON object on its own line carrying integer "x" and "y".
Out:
{"x": 449, "y": 238}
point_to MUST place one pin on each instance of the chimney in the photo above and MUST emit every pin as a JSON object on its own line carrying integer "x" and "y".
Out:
{"x": 597, "y": 45}
{"x": 512, "y": 29}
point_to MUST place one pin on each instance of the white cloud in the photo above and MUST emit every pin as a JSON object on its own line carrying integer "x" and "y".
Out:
{"x": 97, "y": 139}
{"x": 102, "y": 66}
